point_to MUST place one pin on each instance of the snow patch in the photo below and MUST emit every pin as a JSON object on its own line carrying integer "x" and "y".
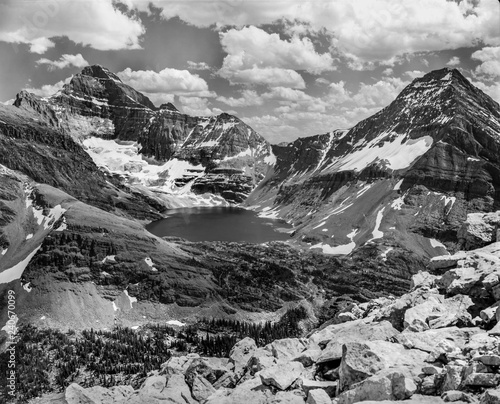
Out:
{"x": 17, "y": 270}
{"x": 384, "y": 254}
{"x": 395, "y": 154}
{"x": 27, "y": 287}
{"x": 29, "y": 236}
{"x": 176, "y": 322}
{"x": 376, "y": 231}
{"x": 397, "y": 187}
{"x": 343, "y": 249}
{"x": 4, "y": 251}
{"x": 109, "y": 258}
{"x": 320, "y": 225}
{"x": 130, "y": 298}
{"x": 115, "y": 307}
{"x": 150, "y": 264}
{"x": 363, "y": 190}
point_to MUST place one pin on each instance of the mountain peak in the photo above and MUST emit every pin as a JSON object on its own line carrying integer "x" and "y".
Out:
{"x": 100, "y": 72}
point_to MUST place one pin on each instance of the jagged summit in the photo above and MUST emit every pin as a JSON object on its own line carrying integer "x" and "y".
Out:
{"x": 100, "y": 72}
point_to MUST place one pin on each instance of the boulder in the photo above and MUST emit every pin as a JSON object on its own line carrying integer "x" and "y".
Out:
{"x": 282, "y": 375}
{"x": 76, "y": 394}
{"x": 355, "y": 331}
{"x": 439, "y": 312}
{"x": 318, "y": 396}
{"x": 178, "y": 364}
{"x": 364, "y": 330}
{"x": 489, "y": 360}
{"x": 453, "y": 377}
{"x": 241, "y": 352}
{"x": 201, "y": 389}
{"x": 428, "y": 385}
{"x": 288, "y": 397}
{"x": 389, "y": 384}
{"x": 423, "y": 279}
{"x": 359, "y": 362}
{"x": 479, "y": 229}
{"x": 453, "y": 396}
{"x": 445, "y": 351}
{"x": 328, "y": 386}
{"x": 157, "y": 390}
{"x": 429, "y": 339}
{"x": 262, "y": 358}
{"x": 490, "y": 397}
{"x": 210, "y": 369}
{"x": 308, "y": 357}
{"x": 251, "y": 391}
{"x": 482, "y": 380}
{"x": 446, "y": 261}
{"x": 287, "y": 348}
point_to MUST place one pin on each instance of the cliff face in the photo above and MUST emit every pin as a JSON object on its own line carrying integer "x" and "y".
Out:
{"x": 96, "y": 105}
{"x": 407, "y": 175}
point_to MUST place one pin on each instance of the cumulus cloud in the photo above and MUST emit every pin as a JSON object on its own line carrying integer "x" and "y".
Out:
{"x": 413, "y": 74}
{"x": 197, "y": 106}
{"x": 252, "y": 46}
{"x": 64, "y": 62}
{"x": 454, "y": 61}
{"x": 48, "y": 89}
{"x": 94, "y": 23}
{"x": 248, "y": 98}
{"x": 490, "y": 61}
{"x": 365, "y": 31}
{"x": 270, "y": 76}
{"x": 380, "y": 93}
{"x": 197, "y": 65}
{"x": 166, "y": 81}
{"x": 287, "y": 94}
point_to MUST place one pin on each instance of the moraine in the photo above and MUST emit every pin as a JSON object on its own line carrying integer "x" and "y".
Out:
{"x": 220, "y": 224}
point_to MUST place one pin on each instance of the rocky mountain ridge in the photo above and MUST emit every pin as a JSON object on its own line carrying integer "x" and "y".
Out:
{"x": 105, "y": 114}
{"x": 408, "y": 175}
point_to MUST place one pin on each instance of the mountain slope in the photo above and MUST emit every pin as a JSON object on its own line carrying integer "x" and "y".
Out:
{"x": 117, "y": 124}
{"x": 407, "y": 176}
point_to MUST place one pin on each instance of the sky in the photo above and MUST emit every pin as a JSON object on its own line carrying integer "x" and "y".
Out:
{"x": 288, "y": 68}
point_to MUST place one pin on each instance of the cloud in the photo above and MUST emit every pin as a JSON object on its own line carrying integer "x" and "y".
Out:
{"x": 270, "y": 76}
{"x": 454, "y": 61}
{"x": 197, "y": 106}
{"x": 48, "y": 89}
{"x": 248, "y": 98}
{"x": 364, "y": 31}
{"x": 287, "y": 94}
{"x": 167, "y": 81}
{"x": 64, "y": 62}
{"x": 413, "y": 74}
{"x": 388, "y": 72}
{"x": 493, "y": 90}
{"x": 97, "y": 24}
{"x": 252, "y": 46}
{"x": 197, "y": 65}
{"x": 490, "y": 61}
{"x": 379, "y": 94}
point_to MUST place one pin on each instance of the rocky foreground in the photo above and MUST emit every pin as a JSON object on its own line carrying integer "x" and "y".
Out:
{"x": 440, "y": 342}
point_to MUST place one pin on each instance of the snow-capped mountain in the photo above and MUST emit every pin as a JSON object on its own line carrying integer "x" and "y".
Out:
{"x": 158, "y": 150}
{"x": 406, "y": 176}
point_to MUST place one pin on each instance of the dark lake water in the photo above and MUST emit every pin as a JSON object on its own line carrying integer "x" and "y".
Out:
{"x": 219, "y": 224}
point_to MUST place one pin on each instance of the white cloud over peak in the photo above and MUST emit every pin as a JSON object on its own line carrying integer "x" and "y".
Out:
{"x": 97, "y": 24}
{"x": 48, "y": 89}
{"x": 454, "y": 61}
{"x": 252, "y": 46}
{"x": 490, "y": 61}
{"x": 64, "y": 61}
{"x": 166, "y": 81}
